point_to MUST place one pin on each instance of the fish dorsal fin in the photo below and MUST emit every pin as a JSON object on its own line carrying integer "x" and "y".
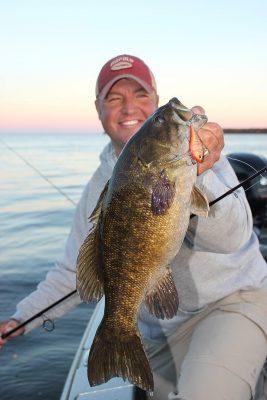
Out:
{"x": 162, "y": 299}
{"x": 89, "y": 276}
{"x": 199, "y": 203}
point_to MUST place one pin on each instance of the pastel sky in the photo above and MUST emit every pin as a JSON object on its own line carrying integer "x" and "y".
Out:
{"x": 211, "y": 53}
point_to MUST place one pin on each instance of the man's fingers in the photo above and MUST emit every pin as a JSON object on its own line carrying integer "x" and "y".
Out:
{"x": 198, "y": 110}
{"x": 2, "y": 342}
{"x": 13, "y": 324}
{"x": 211, "y": 135}
{"x": 7, "y": 326}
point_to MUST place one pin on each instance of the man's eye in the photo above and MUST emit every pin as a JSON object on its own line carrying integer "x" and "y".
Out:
{"x": 113, "y": 99}
{"x": 142, "y": 95}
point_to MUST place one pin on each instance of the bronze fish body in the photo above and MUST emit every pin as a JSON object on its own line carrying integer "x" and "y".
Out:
{"x": 139, "y": 225}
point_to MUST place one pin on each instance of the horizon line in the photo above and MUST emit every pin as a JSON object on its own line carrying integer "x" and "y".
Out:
{"x": 227, "y": 130}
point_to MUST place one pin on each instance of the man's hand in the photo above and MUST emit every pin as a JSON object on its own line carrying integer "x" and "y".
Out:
{"x": 211, "y": 135}
{"x": 6, "y": 326}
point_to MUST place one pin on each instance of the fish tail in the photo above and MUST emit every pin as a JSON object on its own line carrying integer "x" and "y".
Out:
{"x": 124, "y": 357}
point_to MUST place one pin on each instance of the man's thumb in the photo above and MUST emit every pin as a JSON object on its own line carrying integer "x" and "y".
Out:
{"x": 198, "y": 110}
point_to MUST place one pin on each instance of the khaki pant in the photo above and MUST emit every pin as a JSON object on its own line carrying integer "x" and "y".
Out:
{"x": 216, "y": 355}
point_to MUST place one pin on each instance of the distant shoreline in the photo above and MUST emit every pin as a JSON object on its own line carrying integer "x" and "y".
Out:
{"x": 226, "y": 130}
{"x": 245, "y": 130}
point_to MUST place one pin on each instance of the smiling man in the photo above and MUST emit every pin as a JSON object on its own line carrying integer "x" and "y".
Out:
{"x": 124, "y": 109}
{"x": 126, "y": 95}
{"x": 215, "y": 347}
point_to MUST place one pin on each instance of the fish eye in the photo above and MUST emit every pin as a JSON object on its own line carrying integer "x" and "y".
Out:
{"x": 159, "y": 119}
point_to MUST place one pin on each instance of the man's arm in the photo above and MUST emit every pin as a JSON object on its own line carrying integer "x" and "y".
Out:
{"x": 229, "y": 224}
{"x": 60, "y": 280}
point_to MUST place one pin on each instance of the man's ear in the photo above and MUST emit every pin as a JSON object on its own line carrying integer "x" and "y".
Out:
{"x": 98, "y": 109}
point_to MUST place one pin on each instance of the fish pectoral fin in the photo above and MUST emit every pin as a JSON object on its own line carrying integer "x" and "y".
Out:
{"x": 89, "y": 276}
{"x": 97, "y": 210}
{"x": 162, "y": 299}
{"x": 199, "y": 203}
{"x": 162, "y": 194}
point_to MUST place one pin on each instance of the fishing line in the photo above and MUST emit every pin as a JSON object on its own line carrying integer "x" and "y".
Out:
{"x": 38, "y": 172}
{"x": 242, "y": 162}
{"x": 263, "y": 170}
{"x": 251, "y": 166}
{"x": 254, "y": 184}
{"x": 39, "y": 314}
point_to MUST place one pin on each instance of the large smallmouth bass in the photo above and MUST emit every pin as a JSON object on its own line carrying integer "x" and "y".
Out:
{"x": 139, "y": 225}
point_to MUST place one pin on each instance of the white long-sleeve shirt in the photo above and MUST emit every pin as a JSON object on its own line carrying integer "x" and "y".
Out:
{"x": 219, "y": 256}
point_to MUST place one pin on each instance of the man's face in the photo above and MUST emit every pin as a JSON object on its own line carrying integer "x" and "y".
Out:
{"x": 124, "y": 109}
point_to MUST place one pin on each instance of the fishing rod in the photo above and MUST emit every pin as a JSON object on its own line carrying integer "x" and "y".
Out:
{"x": 39, "y": 314}
{"x": 38, "y": 172}
{"x": 5, "y": 335}
{"x": 261, "y": 171}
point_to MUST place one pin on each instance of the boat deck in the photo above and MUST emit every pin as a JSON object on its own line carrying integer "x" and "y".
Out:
{"x": 77, "y": 386}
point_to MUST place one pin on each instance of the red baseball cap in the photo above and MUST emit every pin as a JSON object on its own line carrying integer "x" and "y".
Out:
{"x": 124, "y": 66}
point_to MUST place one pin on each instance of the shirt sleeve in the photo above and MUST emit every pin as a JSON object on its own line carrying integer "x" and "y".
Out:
{"x": 61, "y": 280}
{"x": 229, "y": 224}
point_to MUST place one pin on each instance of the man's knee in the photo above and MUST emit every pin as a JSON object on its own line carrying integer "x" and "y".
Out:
{"x": 211, "y": 382}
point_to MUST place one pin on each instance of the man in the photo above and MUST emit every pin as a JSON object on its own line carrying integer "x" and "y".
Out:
{"x": 216, "y": 345}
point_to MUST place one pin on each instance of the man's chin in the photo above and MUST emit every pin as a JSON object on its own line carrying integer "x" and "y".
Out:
{"x": 130, "y": 131}
{"x": 126, "y": 139}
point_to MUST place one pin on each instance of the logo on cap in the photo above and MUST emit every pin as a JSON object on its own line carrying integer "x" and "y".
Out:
{"x": 121, "y": 63}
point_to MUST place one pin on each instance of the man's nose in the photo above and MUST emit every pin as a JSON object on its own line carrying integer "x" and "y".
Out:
{"x": 128, "y": 106}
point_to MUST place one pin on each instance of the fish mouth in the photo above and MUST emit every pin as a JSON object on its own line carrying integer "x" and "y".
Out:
{"x": 181, "y": 113}
{"x": 196, "y": 149}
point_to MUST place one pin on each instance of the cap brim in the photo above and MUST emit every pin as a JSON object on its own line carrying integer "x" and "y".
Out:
{"x": 106, "y": 89}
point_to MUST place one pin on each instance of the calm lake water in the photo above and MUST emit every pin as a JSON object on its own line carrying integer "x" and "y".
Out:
{"x": 34, "y": 223}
